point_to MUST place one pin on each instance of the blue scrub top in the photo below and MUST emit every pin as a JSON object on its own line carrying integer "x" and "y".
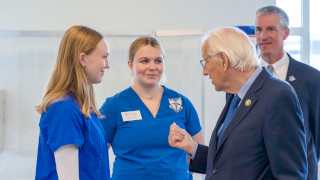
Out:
{"x": 141, "y": 146}
{"x": 63, "y": 124}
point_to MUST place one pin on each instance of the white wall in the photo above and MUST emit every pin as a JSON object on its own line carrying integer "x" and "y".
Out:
{"x": 26, "y": 62}
{"x": 126, "y": 14}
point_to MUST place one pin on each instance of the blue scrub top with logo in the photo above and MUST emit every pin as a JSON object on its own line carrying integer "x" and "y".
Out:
{"x": 141, "y": 146}
{"x": 63, "y": 124}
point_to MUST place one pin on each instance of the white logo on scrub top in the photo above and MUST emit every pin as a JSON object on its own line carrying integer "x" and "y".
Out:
{"x": 175, "y": 104}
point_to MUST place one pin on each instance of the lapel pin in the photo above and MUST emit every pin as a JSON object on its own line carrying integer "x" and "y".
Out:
{"x": 248, "y": 102}
{"x": 291, "y": 78}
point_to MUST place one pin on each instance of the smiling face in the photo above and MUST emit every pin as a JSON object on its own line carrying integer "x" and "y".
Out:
{"x": 95, "y": 62}
{"x": 147, "y": 66}
{"x": 270, "y": 36}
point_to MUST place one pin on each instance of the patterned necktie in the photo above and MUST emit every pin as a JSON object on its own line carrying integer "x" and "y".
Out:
{"x": 270, "y": 69}
{"x": 232, "y": 110}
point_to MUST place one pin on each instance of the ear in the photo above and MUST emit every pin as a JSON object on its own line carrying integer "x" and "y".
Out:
{"x": 286, "y": 33}
{"x": 82, "y": 59}
{"x": 225, "y": 61}
{"x": 130, "y": 64}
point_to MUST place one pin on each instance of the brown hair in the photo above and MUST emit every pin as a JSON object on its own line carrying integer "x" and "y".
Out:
{"x": 68, "y": 75}
{"x": 141, "y": 42}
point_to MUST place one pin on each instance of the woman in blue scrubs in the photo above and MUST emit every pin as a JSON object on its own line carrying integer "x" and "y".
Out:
{"x": 72, "y": 143}
{"x": 137, "y": 120}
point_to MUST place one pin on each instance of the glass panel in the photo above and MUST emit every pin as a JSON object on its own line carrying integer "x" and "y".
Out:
{"x": 293, "y": 46}
{"x": 24, "y": 72}
{"x": 315, "y": 34}
{"x": 293, "y": 10}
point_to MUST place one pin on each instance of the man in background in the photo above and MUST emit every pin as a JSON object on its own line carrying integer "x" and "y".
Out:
{"x": 272, "y": 28}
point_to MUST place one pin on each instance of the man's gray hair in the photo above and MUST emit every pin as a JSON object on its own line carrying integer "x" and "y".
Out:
{"x": 284, "y": 19}
{"x": 235, "y": 44}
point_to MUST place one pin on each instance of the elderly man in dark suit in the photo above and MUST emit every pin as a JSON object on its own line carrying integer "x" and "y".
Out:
{"x": 260, "y": 132}
{"x": 272, "y": 28}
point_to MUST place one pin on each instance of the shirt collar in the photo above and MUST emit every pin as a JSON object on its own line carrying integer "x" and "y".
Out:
{"x": 277, "y": 65}
{"x": 244, "y": 89}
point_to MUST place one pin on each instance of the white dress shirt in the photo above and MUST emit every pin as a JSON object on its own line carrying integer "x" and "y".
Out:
{"x": 280, "y": 67}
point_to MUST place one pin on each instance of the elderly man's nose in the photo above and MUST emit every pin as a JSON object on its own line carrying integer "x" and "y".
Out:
{"x": 205, "y": 71}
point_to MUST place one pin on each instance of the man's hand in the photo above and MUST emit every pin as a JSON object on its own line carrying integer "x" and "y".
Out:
{"x": 179, "y": 138}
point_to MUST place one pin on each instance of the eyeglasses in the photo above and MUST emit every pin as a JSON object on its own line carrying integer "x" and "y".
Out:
{"x": 203, "y": 61}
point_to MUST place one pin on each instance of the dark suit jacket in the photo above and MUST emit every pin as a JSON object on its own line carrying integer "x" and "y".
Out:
{"x": 264, "y": 140}
{"x": 306, "y": 82}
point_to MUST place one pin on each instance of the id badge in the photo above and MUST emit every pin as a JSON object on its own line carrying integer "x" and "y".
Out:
{"x": 131, "y": 115}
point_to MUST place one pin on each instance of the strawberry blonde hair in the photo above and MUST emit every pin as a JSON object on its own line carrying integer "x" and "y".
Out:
{"x": 68, "y": 75}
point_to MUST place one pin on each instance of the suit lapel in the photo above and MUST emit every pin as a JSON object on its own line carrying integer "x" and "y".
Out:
{"x": 243, "y": 110}
{"x": 213, "y": 140}
{"x": 293, "y": 69}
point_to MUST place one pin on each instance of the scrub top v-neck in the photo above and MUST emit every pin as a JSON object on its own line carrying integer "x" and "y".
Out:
{"x": 141, "y": 103}
{"x": 140, "y": 140}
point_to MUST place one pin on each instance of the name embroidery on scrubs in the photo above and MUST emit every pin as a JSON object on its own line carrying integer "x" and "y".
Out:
{"x": 131, "y": 115}
{"x": 175, "y": 104}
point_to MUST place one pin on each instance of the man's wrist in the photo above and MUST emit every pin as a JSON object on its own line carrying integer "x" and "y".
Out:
{"x": 193, "y": 150}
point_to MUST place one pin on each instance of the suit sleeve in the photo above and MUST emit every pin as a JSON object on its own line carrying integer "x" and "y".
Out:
{"x": 284, "y": 137}
{"x": 314, "y": 117}
{"x": 199, "y": 163}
